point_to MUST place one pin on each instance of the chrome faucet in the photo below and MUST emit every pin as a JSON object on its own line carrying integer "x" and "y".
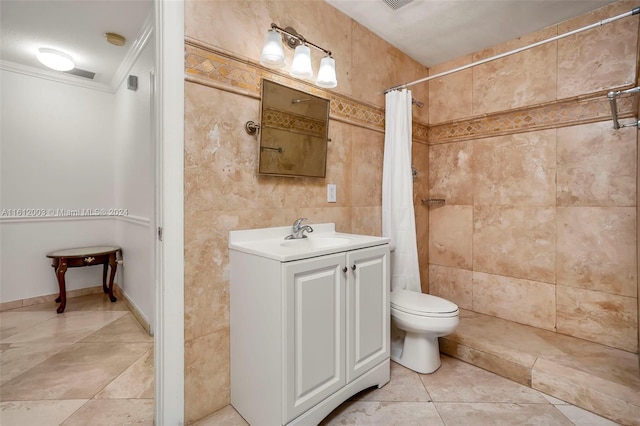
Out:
{"x": 299, "y": 230}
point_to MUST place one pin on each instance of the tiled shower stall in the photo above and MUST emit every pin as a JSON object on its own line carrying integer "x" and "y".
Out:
{"x": 540, "y": 222}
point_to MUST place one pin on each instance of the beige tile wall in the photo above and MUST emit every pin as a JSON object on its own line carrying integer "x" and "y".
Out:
{"x": 420, "y": 155}
{"x": 222, "y": 190}
{"x": 540, "y": 226}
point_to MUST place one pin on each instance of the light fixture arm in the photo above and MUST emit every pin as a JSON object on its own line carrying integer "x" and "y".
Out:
{"x": 299, "y": 38}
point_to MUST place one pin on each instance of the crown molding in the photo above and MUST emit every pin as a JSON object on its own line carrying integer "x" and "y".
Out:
{"x": 121, "y": 74}
{"x": 58, "y": 77}
{"x": 134, "y": 53}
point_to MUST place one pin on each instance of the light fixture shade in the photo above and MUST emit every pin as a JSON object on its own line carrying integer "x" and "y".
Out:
{"x": 301, "y": 65}
{"x": 272, "y": 50}
{"x": 55, "y": 59}
{"x": 327, "y": 73}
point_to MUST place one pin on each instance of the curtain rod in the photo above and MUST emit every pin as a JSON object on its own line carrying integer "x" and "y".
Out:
{"x": 635, "y": 11}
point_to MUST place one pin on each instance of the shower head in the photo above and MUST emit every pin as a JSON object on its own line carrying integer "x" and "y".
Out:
{"x": 417, "y": 103}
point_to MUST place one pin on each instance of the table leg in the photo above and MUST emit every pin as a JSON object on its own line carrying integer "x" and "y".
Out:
{"x": 114, "y": 266}
{"x": 55, "y": 268}
{"x": 60, "y": 271}
{"x": 104, "y": 277}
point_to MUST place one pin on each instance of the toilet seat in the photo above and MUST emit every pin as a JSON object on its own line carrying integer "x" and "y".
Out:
{"x": 424, "y": 305}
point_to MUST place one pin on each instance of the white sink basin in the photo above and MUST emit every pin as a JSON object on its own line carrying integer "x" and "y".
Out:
{"x": 312, "y": 242}
{"x": 270, "y": 242}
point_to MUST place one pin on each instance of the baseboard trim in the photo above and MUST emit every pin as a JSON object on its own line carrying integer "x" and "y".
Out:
{"x": 133, "y": 308}
{"x": 22, "y": 303}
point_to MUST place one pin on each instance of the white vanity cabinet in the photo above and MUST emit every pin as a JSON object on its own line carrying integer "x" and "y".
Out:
{"x": 309, "y": 333}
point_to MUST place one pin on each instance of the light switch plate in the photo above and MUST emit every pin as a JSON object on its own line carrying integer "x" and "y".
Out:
{"x": 331, "y": 193}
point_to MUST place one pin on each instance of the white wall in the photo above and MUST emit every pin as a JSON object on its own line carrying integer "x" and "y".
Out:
{"x": 26, "y": 272}
{"x": 57, "y": 152}
{"x": 57, "y": 144}
{"x": 134, "y": 176}
{"x": 68, "y": 147}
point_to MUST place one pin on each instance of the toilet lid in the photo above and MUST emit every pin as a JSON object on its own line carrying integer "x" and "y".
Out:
{"x": 413, "y": 302}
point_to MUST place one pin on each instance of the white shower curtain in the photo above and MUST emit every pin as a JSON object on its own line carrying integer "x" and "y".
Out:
{"x": 398, "y": 220}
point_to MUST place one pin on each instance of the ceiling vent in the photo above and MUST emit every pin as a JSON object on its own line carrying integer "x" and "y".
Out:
{"x": 396, "y": 4}
{"x": 82, "y": 73}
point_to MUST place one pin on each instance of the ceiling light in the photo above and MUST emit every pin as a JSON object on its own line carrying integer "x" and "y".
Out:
{"x": 273, "y": 56}
{"x": 55, "y": 59}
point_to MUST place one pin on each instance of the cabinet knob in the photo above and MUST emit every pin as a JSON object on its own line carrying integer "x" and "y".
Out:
{"x": 353, "y": 267}
{"x": 344, "y": 269}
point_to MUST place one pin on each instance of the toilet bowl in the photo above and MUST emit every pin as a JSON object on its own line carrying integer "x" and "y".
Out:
{"x": 423, "y": 318}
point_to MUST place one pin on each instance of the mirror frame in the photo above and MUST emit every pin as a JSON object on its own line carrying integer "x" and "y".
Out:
{"x": 266, "y": 119}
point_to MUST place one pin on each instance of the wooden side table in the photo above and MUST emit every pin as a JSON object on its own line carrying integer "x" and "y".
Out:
{"x": 84, "y": 256}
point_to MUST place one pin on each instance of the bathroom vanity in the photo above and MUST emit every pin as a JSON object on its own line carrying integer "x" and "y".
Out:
{"x": 309, "y": 321}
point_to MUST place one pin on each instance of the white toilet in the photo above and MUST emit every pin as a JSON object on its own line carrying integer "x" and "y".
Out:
{"x": 423, "y": 318}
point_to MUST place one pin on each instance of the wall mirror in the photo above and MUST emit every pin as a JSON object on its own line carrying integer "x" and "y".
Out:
{"x": 294, "y": 130}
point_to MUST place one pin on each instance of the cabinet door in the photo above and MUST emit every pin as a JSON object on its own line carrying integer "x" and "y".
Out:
{"x": 367, "y": 309}
{"x": 314, "y": 320}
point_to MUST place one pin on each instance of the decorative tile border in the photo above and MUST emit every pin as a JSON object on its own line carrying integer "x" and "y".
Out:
{"x": 213, "y": 67}
{"x": 551, "y": 115}
{"x": 420, "y": 131}
{"x": 223, "y": 70}
{"x": 289, "y": 121}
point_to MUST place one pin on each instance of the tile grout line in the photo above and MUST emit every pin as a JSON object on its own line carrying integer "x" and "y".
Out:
{"x": 120, "y": 374}
{"x": 74, "y": 412}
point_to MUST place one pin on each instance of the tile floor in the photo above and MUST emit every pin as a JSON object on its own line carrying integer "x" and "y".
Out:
{"x": 457, "y": 394}
{"x": 91, "y": 365}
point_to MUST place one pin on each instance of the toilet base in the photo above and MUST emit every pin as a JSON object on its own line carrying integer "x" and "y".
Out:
{"x": 420, "y": 353}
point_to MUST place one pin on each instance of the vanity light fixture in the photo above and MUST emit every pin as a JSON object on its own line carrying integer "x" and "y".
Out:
{"x": 55, "y": 59}
{"x": 301, "y": 64}
{"x": 327, "y": 73}
{"x": 272, "y": 51}
{"x": 273, "y": 56}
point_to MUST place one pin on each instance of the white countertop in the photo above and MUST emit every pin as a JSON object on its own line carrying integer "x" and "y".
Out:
{"x": 271, "y": 242}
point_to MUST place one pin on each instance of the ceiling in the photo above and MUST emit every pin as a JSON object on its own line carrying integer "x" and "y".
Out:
{"x": 75, "y": 27}
{"x": 430, "y": 31}
{"x": 435, "y": 31}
